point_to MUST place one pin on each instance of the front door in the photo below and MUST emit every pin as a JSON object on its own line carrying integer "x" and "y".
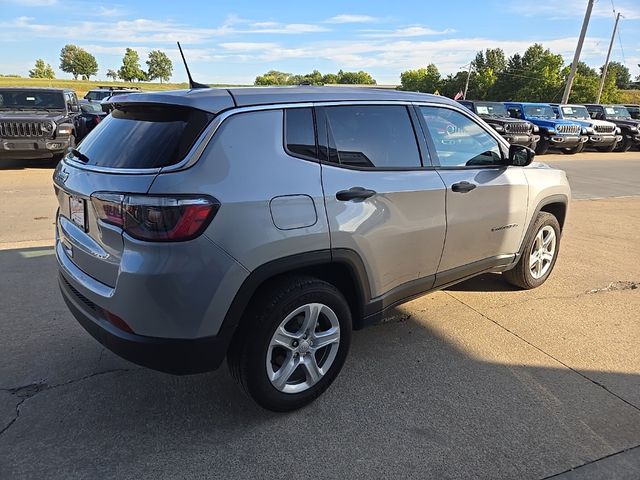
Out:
{"x": 486, "y": 200}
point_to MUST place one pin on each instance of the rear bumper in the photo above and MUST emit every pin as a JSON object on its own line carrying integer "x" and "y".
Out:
{"x": 176, "y": 356}
{"x": 33, "y": 148}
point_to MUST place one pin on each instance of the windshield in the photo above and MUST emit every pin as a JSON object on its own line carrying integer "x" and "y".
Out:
{"x": 492, "y": 109}
{"x": 617, "y": 111}
{"x": 634, "y": 112}
{"x": 540, "y": 111}
{"x": 31, "y": 100}
{"x": 580, "y": 113}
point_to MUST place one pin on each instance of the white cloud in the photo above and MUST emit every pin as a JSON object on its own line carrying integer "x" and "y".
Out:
{"x": 348, "y": 18}
{"x": 109, "y": 12}
{"x": 409, "y": 31}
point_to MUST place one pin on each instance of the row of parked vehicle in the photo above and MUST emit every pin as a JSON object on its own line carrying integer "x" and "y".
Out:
{"x": 43, "y": 123}
{"x": 568, "y": 128}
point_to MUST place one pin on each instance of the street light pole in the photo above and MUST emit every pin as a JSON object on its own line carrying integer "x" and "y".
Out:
{"x": 466, "y": 85}
{"x": 576, "y": 57}
{"x": 606, "y": 63}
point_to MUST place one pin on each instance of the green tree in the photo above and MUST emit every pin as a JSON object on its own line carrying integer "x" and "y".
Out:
{"x": 453, "y": 84}
{"x": 485, "y": 69}
{"x": 273, "y": 77}
{"x": 84, "y": 64}
{"x": 330, "y": 79}
{"x": 621, "y": 74}
{"x": 130, "y": 69}
{"x": 67, "y": 54}
{"x": 355, "y": 78}
{"x": 159, "y": 66}
{"x": 421, "y": 80}
{"x": 542, "y": 77}
{"x": 41, "y": 70}
{"x": 112, "y": 74}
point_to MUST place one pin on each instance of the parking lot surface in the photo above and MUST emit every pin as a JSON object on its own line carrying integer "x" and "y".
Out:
{"x": 477, "y": 381}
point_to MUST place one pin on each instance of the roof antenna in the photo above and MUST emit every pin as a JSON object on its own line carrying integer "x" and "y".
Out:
{"x": 192, "y": 84}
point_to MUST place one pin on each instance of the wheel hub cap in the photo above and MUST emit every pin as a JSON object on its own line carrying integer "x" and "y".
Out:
{"x": 542, "y": 252}
{"x": 303, "y": 348}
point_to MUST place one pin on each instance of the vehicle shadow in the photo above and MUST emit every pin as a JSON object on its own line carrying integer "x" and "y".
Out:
{"x": 28, "y": 164}
{"x": 438, "y": 393}
{"x": 487, "y": 282}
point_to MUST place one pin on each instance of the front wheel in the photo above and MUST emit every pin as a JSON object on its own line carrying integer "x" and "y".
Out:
{"x": 539, "y": 254}
{"x": 624, "y": 145}
{"x": 542, "y": 147}
{"x": 292, "y": 344}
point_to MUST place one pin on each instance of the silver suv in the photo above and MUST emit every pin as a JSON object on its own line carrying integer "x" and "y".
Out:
{"x": 265, "y": 224}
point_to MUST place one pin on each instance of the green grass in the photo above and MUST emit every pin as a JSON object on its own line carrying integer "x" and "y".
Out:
{"x": 81, "y": 87}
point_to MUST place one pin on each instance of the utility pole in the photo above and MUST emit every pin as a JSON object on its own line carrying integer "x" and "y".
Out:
{"x": 466, "y": 85}
{"x": 606, "y": 63}
{"x": 576, "y": 57}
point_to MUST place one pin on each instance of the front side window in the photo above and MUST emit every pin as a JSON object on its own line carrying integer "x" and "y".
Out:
{"x": 380, "y": 136}
{"x": 299, "y": 132}
{"x": 458, "y": 140}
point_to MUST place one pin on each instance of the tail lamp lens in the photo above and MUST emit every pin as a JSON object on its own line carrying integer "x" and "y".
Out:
{"x": 154, "y": 218}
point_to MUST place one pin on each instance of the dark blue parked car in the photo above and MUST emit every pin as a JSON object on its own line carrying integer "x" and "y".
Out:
{"x": 564, "y": 135}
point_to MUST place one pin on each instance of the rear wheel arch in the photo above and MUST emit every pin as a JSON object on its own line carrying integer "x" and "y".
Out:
{"x": 342, "y": 268}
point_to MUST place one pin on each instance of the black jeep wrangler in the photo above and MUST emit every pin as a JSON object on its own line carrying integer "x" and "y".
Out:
{"x": 37, "y": 123}
{"x": 514, "y": 131}
{"x": 619, "y": 115}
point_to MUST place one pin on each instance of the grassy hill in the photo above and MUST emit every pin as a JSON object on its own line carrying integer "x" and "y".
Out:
{"x": 81, "y": 87}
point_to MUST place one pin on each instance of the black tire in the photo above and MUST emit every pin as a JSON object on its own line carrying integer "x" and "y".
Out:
{"x": 248, "y": 351}
{"x": 608, "y": 149}
{"x": 521, "y": 275}
{"x": 542, "y": 147}
{"x": 624, "y": 145}
{"x": 574, "y": 150}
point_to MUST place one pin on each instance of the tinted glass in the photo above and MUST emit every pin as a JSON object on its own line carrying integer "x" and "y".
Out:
{"x": 91, "y": 107}
{"x": 458, "y": 140}
{"x": 373, "y": 136}
{"x": 31, "y": 100}
{"x": 97, "y": 95}
{"x": 143, "y": 137}
{"x": 301, "y": 138}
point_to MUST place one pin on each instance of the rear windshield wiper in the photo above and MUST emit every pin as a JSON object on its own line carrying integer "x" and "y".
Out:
{"x": 80, "y": 155}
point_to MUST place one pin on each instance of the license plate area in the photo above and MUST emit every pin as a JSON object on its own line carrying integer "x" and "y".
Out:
{"x": 77, "y": 212}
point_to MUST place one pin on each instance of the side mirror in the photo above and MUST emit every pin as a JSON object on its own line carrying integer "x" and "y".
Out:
{"x": 74, "y": 108}
{"x": 520, "y": 156}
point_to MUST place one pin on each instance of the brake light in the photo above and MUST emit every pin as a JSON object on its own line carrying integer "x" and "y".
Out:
{"x": 156, "y": 218}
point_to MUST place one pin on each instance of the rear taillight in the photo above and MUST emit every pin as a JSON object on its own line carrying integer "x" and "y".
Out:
{"x": 156, "y": 218}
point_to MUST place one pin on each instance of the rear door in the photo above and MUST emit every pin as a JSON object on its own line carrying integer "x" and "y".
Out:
{"x": 381, "y": 201}
{"x": 486, "y": 200}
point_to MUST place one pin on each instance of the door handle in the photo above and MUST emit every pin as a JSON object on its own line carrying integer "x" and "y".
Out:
{"x": 355, "y": 193}
{"x": 463, "y": 187}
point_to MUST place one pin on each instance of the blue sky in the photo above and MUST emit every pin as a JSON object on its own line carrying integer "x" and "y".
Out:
{"x": 233, "y": 41}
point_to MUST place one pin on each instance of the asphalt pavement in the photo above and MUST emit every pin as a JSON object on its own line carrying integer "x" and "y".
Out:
{"x": 478, "y": 381}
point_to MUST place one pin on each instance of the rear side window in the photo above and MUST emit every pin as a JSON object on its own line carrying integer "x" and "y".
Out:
{"x": 143, "y": 137}
{"x": 299, "y": 132}
{"x": 373, "y": 136}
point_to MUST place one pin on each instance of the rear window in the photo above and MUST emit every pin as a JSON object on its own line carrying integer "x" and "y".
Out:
{"x": 143, "y": 137}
